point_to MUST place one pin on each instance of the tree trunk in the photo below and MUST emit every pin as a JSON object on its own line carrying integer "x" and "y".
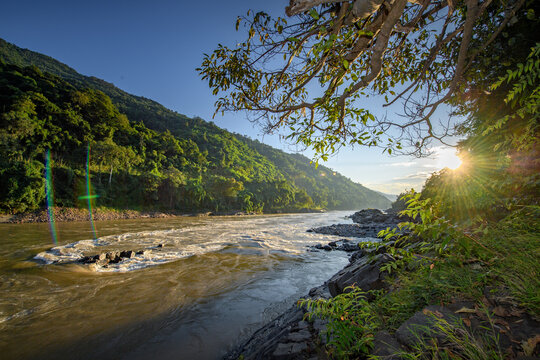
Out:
{"x": 361, "y": 8}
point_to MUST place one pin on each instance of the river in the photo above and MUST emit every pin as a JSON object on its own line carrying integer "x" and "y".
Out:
{"x": 202, "y": 285}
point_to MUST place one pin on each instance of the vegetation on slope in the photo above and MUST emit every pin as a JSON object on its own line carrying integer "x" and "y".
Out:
{"x": 142, "y": 156}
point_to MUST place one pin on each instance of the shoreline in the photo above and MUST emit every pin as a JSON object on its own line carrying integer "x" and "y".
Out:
{"x": 63, "y": 214}
{"x": 294, "y": 336}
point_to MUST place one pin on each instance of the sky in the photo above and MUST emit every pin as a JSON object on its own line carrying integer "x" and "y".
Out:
{"x": 152, "y": 48}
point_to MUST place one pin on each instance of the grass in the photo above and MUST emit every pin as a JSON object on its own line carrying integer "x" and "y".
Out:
{"x": 458, "y": 343}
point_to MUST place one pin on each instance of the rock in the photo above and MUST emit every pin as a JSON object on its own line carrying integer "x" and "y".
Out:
{"x": 88, "y": 260}
{"x": 349, "y": 230}
{"x": 364, "y": 273}
{"x": 370, "y": 215}
{"x": 367, "y": 223}
{"x": 127, "y": 254}
{"x": 422, "y": 325}
{"x": 319, "y": 246}
{"x": 319, "y": 325}
{"x": 264, "y": 342}
{"x": 348, "y": 247}
{"x": 288, "y": 351}
{"x": 333, "y": 244}
{"x": 327, "y": 248}
{"x": 113, "y": 257}
{"x": 386, "y": 346}
{"x": 101, "y": 257}
{"x": 320, "y": 292}
{"x": 299, "y": 336}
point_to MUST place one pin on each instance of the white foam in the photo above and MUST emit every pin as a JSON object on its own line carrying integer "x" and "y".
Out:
{"x": 258, "y": 235}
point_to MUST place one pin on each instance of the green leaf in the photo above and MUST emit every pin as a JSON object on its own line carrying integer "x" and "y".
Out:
{"x": 314, "y": 14}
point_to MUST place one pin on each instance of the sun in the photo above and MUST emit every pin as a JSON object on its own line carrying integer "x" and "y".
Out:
{"x": 454, "y": 163}
{"x": 447, "y": 158}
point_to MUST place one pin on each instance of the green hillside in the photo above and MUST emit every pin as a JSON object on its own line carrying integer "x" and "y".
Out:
{"x": 142, "y": 155}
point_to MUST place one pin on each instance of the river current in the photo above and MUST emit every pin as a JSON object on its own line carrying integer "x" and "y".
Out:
{"x": 201, "y": 286}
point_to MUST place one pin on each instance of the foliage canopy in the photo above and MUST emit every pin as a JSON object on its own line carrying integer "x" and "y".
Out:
{"x": 311, "y": 74}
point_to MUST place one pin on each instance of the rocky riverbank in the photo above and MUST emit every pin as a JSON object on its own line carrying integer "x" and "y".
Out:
{"x": 367, "y": 223}
{"x": 290, "y": 336}
{"x": 64, "y": 214}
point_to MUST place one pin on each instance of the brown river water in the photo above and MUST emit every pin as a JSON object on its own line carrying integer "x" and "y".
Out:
{"x": 211, "y": 284}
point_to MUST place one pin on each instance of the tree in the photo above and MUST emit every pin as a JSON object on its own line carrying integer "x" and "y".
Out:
{"x": 23, "y": 186}
{"x": 108, "y": 153}
{"x": 312, "y": 73}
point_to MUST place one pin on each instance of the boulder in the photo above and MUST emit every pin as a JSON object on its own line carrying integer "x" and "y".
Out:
{"x": 364, "y": 273}
{"x": 288, "y": 351}
{"x": 421, "y": 326}
{"x": 127, "y": 254}
{"x": 386, "y": 346}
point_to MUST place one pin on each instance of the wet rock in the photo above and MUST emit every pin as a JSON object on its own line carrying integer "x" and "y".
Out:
{"x": 348, "y": 247}
{"x": 349, "y": 230}
{"x": 128, "y": 254}
{"x": 363, "y": 273}
{"x": 264, "y": 342}
{"x": 320, "y": 292}
{"x": 327, "y": 247}
{"x": 299, "y": 336}
{"x": 367, "y": 223}
{"x": 88, "y": 260}
{"x": 333, "y": 244}
{"x": 386, "y": 346}
{"x": 289, "y": 351}
{"x": 101, "y": 257}
{"x": 113, "y": 257}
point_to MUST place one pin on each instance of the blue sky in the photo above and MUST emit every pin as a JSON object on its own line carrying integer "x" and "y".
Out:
{"x": 151, "y": 48}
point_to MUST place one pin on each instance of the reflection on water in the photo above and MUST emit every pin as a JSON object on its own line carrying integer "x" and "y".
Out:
{"x": 211, "y": 283}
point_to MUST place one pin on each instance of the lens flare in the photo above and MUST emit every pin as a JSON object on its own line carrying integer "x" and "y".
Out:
{"x": 49, "y": 193}
{"x": 447, "y": 158}
{"x": 89, "y": 197}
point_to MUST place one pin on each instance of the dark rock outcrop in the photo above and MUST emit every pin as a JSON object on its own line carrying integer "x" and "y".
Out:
{"x": 367, "y": 223}
{"x": 386, "y": 346}
{"x": 111, "y": 257}
{"x": 421, "y": 326}
{"x": 363, "y": 273}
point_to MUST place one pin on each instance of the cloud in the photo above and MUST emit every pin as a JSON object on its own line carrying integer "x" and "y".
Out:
{"x": 394, "y": 188}
{"x": 405, "y": 164}
{"x": 421, "y": 175}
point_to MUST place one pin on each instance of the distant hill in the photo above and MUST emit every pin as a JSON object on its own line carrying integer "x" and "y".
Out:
{"x": 149, "y": 156}
{"x": 391, "y": 197}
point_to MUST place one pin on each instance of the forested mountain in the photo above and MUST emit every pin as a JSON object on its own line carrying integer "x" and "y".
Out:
{"x": 140, "y": 154}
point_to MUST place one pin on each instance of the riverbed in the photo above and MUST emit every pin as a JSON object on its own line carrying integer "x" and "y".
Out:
{"x": 200, "y": 285}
